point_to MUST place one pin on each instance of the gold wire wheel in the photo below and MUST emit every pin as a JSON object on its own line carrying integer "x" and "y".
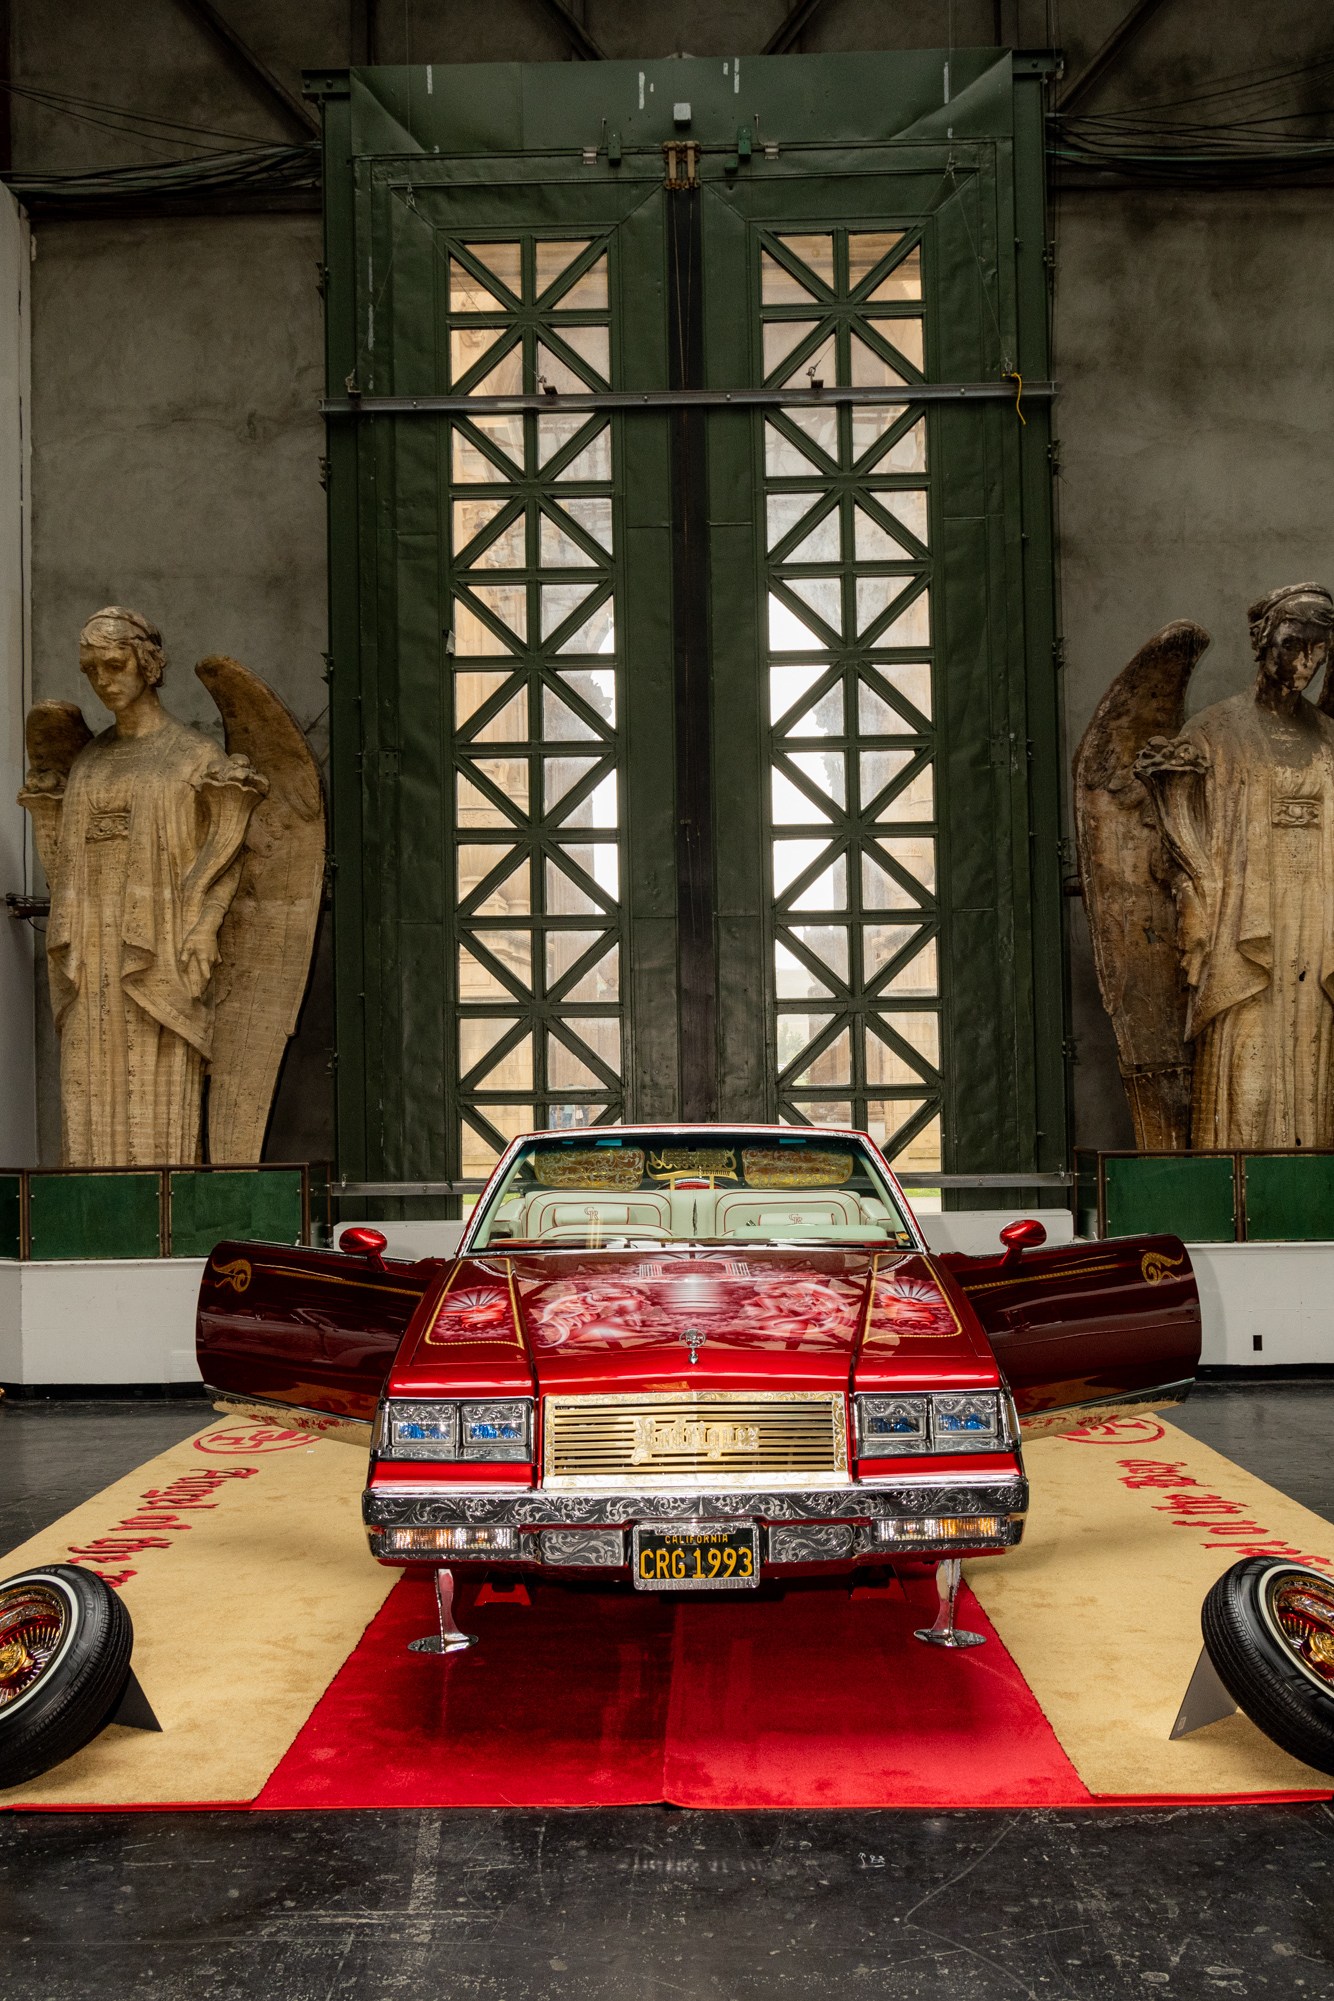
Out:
{"x": 1303, "y": 1610}
{"x": 33, "y": 1618}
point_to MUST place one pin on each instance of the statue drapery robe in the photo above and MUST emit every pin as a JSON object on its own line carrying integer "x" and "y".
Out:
{"x": 1246, "y": 800}
{"x": 150, "y": 837}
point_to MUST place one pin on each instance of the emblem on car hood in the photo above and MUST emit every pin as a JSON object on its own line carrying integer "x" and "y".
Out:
{"x": 694, "y": 1340}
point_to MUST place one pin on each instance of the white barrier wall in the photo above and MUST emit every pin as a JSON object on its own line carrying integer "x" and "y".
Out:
{"x": 131, "y": 1321}
{"x": 109, "y": 1321}
{"x": 1280, "y": 1295}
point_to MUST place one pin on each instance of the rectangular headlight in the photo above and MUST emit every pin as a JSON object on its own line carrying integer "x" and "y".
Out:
{"x": 443, "y": 1430}
{"x": 494, "y": 1430}
{"x": 418, "y": 1431}
{"x": 889, "y": 1427}
{"x": 970, "y": 1423}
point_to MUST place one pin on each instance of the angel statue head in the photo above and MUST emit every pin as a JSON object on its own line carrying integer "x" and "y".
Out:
{"x": 122, "y": 654}
{"x": 1291, "y": 632}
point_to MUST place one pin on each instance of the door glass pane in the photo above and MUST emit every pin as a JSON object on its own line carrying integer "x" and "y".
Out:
{"x": 866, "y": 249}
{"x": 553, "y": 258}
{"x": 780, "y": 337}
{"x": 781, "y": 287}
{"x": 904, "y": 281}
{"x": 816, "y": 252}
{"x": 502, "y": 260}
{"x": 467, "y": 293}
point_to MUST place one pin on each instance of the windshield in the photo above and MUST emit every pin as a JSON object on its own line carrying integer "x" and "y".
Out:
{"x": 713, "y": 1186}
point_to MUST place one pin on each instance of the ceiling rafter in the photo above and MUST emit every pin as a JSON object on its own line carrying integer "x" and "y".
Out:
{"x": 293, "y": 108}
{"x": 585, "y": 48}
{"x": 798, "y": 16}
{"x": 1105, "y": 58}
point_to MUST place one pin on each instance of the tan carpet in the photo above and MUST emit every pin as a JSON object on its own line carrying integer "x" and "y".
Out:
{"x": 242, "y": 1559}
{"x": 252, "y": 1586}
{"x": 1129, "y": 1525}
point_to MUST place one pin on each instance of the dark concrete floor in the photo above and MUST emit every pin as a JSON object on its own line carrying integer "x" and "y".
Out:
{"x": 650, "y": 1904}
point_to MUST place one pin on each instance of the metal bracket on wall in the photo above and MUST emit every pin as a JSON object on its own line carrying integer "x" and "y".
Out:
{"x": 356, "y": 405}
{"x": 681, "y": 161}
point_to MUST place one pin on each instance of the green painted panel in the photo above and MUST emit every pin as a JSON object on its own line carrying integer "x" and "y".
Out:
{"x": 264, "y": 1204}
{"x": 10, "y": 1215}
{"x": 94, "y": 1215}
{"x": 1188, "y": 1195}
{"x": 1289, "y": 1196}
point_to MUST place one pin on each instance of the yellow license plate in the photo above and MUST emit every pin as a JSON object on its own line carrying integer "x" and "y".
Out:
{"x": 695, "y": 1556}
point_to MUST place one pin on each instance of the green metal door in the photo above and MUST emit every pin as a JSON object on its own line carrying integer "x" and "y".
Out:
{"x": 686, "y": 688}
{"x": 870, "y": 685}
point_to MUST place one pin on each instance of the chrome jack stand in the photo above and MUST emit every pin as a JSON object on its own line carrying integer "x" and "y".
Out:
{"x": 945, "y": 1633}
{"x": 449, "y": 1640}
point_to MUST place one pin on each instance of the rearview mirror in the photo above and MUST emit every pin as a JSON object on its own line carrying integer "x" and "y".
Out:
{"x": 1025, "y": 1235}
{"x": 368, "y": 1244}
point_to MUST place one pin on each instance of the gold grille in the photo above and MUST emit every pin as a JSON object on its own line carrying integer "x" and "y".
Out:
{"x": 779, "y": 1438}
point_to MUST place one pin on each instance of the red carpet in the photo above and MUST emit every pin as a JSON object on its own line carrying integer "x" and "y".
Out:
{"x": 590, "y": 1700}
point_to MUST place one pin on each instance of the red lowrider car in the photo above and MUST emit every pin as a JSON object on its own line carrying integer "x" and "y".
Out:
{"x": 677, "y": 1358}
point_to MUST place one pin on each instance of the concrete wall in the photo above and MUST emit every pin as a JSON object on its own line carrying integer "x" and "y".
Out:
{"x": 176, "y": 380}
{"x": 1196, "y": 397}
{"x": 17, "y": 1091}
{"x": 177, "y": 362}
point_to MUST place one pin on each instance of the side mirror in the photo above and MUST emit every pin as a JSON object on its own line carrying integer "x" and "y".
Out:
{"x": 368, "y": 1244}
{"x": 1025, "y": 1235}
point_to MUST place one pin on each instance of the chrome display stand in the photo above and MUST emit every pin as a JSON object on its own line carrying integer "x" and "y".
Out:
{"x": 449, "y": 1640}
{"x": 1205, "y": 1701}
{"x": 945, "y": 1633}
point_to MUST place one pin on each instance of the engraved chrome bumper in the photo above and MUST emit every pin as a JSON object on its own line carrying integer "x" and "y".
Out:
{"x": 879, "y": 1520}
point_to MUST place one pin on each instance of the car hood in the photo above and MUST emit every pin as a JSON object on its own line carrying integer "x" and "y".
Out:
{"x": 758, "y": 1319}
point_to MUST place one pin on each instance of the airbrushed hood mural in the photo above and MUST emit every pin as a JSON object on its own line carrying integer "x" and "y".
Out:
{"x": 725, "y": 1298}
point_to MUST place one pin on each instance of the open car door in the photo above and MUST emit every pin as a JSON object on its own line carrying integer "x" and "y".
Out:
{"x": 1087, "y": 1330}
{"x": 304, "y": 1338}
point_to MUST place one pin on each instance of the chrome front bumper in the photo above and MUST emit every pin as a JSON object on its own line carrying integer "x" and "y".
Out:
{"x": 916, "y": 1514}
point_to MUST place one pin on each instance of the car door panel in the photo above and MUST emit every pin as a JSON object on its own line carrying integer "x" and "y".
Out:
{"x": 307, "y": 1335}
{"x": 1110, "y": 1324}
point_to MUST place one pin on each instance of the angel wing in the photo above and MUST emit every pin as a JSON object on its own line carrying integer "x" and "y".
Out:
{"x": 1126, "y": 874}
{"x": 269, "y": 931}
{"x": 56, "y": 733}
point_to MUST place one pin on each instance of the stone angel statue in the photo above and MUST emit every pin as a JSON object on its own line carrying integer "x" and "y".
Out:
{"x": 1208, "y": 869}
{"x": 185, "y": 891}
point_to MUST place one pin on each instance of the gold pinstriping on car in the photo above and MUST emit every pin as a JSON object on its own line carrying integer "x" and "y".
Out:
{"x": 697, "y": 1438}
{"x": 1032, "y": 1278}
{"x": 224, "y": 1274}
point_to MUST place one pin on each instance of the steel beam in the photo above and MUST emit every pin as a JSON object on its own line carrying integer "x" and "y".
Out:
{"x": 668, "y": 399}
{"x": 585, "y": 48}
{"x": 297, "y": 114}
{"x": 1098, "y": 64}
{"x": 798, "y": 16}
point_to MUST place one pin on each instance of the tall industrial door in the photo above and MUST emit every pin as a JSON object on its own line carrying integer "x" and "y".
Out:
{"x": 691, "y": 602}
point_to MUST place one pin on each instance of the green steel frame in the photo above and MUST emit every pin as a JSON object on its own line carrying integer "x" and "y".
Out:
{"x": 417, "y": 159}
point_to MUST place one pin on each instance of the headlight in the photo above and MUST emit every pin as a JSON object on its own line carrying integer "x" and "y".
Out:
{"x": 942, "y": 1421}
{"x": 972, "y": 1423}
{"x": 494, "y": 1430}
{"x": 890, "y": 1425}
{"x": 455, "y": 1431}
